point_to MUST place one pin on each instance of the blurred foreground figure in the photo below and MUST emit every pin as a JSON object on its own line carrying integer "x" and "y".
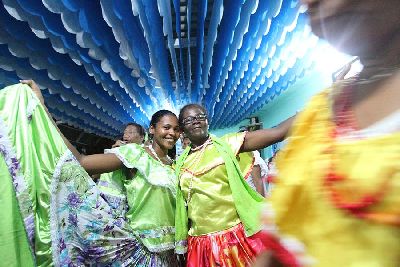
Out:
{"x": 337, "y": 195}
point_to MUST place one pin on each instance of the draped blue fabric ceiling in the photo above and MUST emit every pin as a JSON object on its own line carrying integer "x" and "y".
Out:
{"x": 104, "y": 63}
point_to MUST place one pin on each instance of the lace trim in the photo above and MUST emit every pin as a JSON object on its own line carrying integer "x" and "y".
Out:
{"x": 67, "y": 156}
{"x": 20, "y": 187}
{"x": 291, "y": 244}
{"x": 181, "y": 247}
{"x": 168, "y": 180}
{"x": 32, "y": 104}
{"x": 161, "y": 247}
{"x": 156, "y": 233}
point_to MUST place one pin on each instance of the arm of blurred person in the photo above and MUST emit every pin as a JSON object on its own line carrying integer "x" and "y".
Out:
{"x": 260, "y": 139}
{"x": 257, "y": 180}
{"x": 93, "y": 164}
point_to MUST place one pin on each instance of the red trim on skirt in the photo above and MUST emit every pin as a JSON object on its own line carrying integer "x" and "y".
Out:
{"x": 229, "y": 247}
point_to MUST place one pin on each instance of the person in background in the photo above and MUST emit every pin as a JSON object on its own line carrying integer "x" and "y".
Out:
{"x": 185, "y": 141}
{"x": 336, "y": 200}
{"x": 270, "y": 174}
{"x": 133, "y": 133}
{"x": 250, "y": 164}
{"x": 258, "y": 173}
{"x": 252, "y": 172}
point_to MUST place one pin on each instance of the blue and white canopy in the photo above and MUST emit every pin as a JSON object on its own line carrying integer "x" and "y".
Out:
{"x": 104, "y": 63}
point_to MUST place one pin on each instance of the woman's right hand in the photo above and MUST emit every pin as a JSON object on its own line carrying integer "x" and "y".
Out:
{"x": 35, "y": 88}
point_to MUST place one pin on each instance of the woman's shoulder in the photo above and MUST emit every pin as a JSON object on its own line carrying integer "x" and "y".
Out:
{"x": 234, "y": 140}
{"x": 129, "y": 154}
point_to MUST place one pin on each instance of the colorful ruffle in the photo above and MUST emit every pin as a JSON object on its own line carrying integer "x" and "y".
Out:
{"x": 230, "y": 247}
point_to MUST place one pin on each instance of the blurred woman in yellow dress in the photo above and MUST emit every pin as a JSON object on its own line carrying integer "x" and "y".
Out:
{"x": 337, "y": 195}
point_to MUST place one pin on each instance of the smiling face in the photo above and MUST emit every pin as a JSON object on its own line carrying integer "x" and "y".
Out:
{"x": 166, "y": 131}
{"x": 195, "y": 124}
{"x": 357, "y": 27}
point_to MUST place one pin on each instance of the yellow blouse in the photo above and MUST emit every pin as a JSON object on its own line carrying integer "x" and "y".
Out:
{"x": 303, "y": 205}
{"x": 211, "y": 207}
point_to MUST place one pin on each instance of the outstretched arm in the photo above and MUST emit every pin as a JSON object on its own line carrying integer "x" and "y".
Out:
{"x": 93, "y": 164}
{"x": 262, "y": 138}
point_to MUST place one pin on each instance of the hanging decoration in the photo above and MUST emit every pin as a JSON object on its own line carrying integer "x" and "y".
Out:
{"x": 102, "y": 64}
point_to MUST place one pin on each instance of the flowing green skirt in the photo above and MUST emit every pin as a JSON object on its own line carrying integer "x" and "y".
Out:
{"x": 52, "y": 213}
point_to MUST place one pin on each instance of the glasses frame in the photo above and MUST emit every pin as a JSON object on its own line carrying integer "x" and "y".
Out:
{"x": 190, "y": 119}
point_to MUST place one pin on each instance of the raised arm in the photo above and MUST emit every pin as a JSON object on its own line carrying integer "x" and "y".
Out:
{"x": 93, "y": 164}
{"x": 262, "y": 138}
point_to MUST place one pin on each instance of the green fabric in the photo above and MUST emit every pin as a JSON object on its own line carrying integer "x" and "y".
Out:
{"x": 14, "y": 246}
{"x": 243, "y": 196}
{"x": 153, "y": 185}
{"x": 211, "y": 207}
{"x": 111, "y": 183}
{"x": 21, "y": 111}
{"x": 181, "y": 218}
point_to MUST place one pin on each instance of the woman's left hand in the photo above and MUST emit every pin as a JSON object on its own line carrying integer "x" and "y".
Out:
{"x": 35, "y": 89}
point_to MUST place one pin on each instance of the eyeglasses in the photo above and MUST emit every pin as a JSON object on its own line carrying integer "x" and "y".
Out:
{"x": 190, "y": 119}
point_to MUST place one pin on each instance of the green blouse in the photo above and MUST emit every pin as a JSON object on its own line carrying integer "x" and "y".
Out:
{"x": 150, "y": 195}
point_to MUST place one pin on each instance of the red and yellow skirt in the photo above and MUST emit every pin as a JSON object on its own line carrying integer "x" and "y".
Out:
{"x": 230, "y": 247}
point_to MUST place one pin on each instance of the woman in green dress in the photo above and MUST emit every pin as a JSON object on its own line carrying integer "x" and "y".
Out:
{"x": 58, "y": 216}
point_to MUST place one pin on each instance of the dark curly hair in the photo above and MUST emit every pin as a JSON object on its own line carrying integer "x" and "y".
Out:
{"x": 158, "y": 115}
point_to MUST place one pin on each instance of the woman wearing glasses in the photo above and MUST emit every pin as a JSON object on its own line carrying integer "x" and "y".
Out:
{"x": 216, "y": 208}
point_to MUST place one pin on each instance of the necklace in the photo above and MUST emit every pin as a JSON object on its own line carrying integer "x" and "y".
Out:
{"x": 195, "y": 163}
{"x": 206, "y": 143}
{"x": 344, "y": 123}
{"x": 168, "y": 159}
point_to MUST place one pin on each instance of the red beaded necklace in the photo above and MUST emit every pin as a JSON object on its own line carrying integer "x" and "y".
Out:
{"x": 344, "y": 123}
